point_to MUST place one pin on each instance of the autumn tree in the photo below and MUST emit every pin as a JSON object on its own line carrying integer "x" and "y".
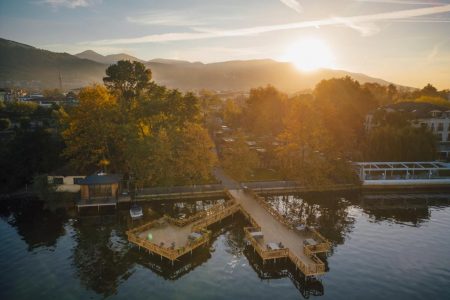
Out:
{"x": 405, "y": 143}
{"x": 127, "y": 80}
{"x": 264, "y": 111}
{"x": 91, "y": 130}
{"x": 344, "y": 103}
{"x": 147, "y": 131}
{"x": 238, "y": 159}
{"x": 232, "y": 113}
{"x": 195, "y": 153}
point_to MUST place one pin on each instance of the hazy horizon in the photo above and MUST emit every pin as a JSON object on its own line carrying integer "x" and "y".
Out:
{"x": 405, "y": 42}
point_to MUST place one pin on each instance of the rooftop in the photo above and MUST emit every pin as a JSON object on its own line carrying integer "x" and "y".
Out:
{"x": 101, "y": 178}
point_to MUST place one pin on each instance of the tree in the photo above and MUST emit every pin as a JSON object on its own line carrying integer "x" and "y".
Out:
{"x": 232, "y": 113}
{"x": 27, "y": 154}
{"x": 433, "y": 100}
{"x": 127, "y": 80}
{"x": 392, "y": 143}
{"x": 265, "y": 110}
{"x": 344, "y": 103}
{"x": 429, "y": 90}
{"x": 92, "y": 133}
{"x": 304, "y": 144}
{"x": 140, "y": 128}
{"x": 53, "y": 94}
{"x": 195, "y": 152}
{"x": 238, "y": 159}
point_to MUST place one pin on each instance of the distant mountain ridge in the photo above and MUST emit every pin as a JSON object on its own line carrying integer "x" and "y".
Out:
{"x": 106, "y": 59}
{"x": 25, "y": 65}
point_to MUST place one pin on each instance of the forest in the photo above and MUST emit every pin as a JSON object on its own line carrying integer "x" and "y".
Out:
{"x": 157, "y": 136}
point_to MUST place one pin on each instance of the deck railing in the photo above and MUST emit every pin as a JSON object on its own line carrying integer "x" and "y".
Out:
{"x": 264, "y": 253}
{"x": 271, "y": 210}
{"x": 230, "y": 208}
{"x": 316, "y": 268}
{"x": 200, "y": 221}
{"x": 169, "y": 253}
{"x": 221, "y": 211}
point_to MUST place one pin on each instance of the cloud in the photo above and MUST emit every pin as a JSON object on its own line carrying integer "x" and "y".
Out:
{"x": 294, "y": 4}
{"x": 164, "y": 18}
{"x": 69, "y": 3}
{"x": 405, "y": 2}
{"x": 365, "y": 29}
{"x": 216, "y": 33}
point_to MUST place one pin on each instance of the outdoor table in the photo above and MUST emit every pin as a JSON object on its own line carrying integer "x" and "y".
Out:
{"x": 257, "y": 234}
{"x": 194, "y": 236}
{"x": 273, "y": 246}
{"x": 310, "y": 242}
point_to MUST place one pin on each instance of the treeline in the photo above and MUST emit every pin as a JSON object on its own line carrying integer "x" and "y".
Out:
{"x": 136, "y": 127}
{"x": 30, "y": 143}
{"x": 312, "y": 137}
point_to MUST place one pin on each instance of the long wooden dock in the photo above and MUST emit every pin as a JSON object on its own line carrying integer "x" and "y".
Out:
{"x": 271, "y": 236}
{"x": 299, "y": 245}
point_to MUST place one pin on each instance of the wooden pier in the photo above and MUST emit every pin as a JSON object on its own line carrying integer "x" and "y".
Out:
{"x": 107, "y": 202}
{"x": 271, "y": 236}
{"x": 172, "y": 238}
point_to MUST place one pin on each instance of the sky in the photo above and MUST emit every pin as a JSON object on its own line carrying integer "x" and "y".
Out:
{"x": 403, "y": 41}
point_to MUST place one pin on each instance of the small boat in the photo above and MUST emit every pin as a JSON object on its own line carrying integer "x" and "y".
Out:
{"x": 136, "y": 212}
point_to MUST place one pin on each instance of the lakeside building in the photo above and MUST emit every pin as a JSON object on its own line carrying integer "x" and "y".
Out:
{"x": 66, "y": 183}
{"x": 100, "y": 186}
{"x": 434, "y": 117}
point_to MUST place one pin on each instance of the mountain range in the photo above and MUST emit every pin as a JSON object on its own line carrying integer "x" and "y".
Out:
{"x": 27, "y": 66}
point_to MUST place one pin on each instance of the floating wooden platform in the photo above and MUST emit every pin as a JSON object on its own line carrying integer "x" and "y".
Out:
{"x": 276, "y": 230}
{"x": 107, "y": 202}
{"x": 172, "y": 238}
{"x": 271, "y": 236}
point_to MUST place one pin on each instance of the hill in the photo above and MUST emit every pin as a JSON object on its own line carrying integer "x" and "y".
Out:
{"x": 106, "y": 59}
{"x": 243, "y": 75}
{"x": 25, "y": 65}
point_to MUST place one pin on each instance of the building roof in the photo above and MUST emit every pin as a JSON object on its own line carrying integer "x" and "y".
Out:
{"x": 101, "y": 178}
{"x": 419, "y": 109}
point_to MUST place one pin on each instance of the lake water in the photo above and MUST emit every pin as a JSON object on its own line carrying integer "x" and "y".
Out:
{"x": 390, "y": 246}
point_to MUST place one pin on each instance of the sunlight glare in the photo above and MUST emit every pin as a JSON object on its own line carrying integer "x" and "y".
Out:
{"x": 310, "y": 54}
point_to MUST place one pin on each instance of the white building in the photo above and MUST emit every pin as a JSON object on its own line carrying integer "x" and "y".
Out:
{"x": 435, "y": 117}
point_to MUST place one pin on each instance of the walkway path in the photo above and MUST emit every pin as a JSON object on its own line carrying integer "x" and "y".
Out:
{"x": 273, "y": 230}
{"x": 270, "y": 235}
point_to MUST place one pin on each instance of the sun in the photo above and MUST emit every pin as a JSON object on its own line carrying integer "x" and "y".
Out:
{"x": 310, "y": 54}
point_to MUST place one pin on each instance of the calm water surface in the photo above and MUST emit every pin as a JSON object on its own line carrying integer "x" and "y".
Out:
{"x": 391, "y": 246}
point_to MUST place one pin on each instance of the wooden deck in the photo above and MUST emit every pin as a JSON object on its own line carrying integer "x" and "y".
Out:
{"x": 101, "y": 202}
{"x": 170, "y": 238}
{"x": 276, "y": 230}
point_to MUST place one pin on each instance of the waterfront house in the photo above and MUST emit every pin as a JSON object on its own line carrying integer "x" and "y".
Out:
{"x": 66, "y": 183}
{"x": 100, "y": 186}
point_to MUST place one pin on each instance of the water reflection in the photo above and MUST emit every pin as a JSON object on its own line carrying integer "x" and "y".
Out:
{"x": 37, "y": 226}
{"x": 102, "y": 259}
{"x": 284, "y": 268}
{"x": 328, "y": 214}
{"x": 101, "y": 255}
{"x": 408, "y": 209}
